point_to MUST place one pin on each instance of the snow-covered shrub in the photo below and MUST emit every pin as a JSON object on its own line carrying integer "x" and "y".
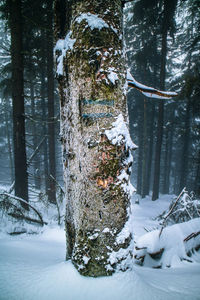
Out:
{"x": 167, "y": 248}
{"x": 183, "y": 210}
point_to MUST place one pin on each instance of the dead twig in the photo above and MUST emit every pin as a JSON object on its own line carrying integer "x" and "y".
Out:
{"x": 24, "y": 202}
{"x": 171, "y": 210}
{"x": 192, "y": 235}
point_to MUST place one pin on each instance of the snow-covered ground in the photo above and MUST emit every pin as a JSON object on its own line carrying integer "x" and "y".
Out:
{"x": 34, "y": 267}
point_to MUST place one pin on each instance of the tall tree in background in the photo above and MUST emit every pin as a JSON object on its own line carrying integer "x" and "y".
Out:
{"x": 50, "y": 96}
{"x": 166, "y": 25}
{"x": 21, "y": 175}
{"x": 142, "y": 40}
{"x": 96, "y": 153}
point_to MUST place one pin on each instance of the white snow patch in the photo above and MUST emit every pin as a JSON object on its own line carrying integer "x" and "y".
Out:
{"x": 123, "y": 176}
{"x": 86, "y": 259}
{"x": 112, "y": 76}
{"x": 63, "y": 45}
{"x": 93, "y": 237}
{"x": 94, "y": 21}
{"x": 106, "y": 230}
{"x": 129, "y": 159}
{"x": 124, "y": 234}
{"x": 33, "y": 267}
{"x": 128, "y": 188}
{"x": 120, "y": 133}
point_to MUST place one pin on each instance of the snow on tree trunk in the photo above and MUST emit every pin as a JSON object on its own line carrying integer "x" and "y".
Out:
{"x": 95, "y": 138}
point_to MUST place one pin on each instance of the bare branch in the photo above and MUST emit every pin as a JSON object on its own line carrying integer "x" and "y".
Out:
{"x": 171, "y": 210}
{"x": 24, "y": 202}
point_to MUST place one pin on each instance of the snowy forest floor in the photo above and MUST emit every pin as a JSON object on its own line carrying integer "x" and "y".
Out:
{"x": 33, "y": 267}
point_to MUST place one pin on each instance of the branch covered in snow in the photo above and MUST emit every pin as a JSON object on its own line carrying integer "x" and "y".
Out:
{"x": 182, "y": 209}
{"x": 148, "y": 91}
{"x": 170, "y": 211}
{"x": 175, "y": 244}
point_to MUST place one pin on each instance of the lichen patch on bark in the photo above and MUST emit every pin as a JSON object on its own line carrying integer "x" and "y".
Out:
{"x": 92, "y": 97}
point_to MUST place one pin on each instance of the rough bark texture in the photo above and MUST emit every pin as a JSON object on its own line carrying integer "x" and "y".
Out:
{"x": 21, "y": 175}
{"x": 97, "y": 203}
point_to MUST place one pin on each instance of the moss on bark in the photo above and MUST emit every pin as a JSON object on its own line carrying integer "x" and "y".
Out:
{"x": 97, "y": 204}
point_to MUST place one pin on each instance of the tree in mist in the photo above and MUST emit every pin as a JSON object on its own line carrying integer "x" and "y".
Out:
{"x": 167, "y": 24}
{"x": 20, "y": 161}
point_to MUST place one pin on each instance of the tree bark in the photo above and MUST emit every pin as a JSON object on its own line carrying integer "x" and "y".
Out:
{"x": 196, "y": 188}
{"x": 168, "y": 162}
{"x": 150, "y": 153}
{"x": 9, "y": 139}
{"x": 21, "y": 175}
{"x": 156, "y": 183}
{"x": 92, "y": 98}
{"x": 185, "y": 151}
{"x": 44, "y": 130}
{"x": 50, "y": 97}
{"x": 141, "y": 151}
{"x": 145, "y": 152}
{"x": 36, "y": 163}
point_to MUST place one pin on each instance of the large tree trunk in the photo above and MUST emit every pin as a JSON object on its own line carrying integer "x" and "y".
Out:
{"x": 21, "y": 175}
{"x": 95, "y": 151}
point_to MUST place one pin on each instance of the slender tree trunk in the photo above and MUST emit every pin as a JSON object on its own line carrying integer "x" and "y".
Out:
{"x": 177, "y": 167}
{"x": 185, "y": 151}
{"x": 50, "y": 96}
{"x": 21, "y": 175}
{"x": 8, "y": 135}
{"x": 145, "y": 152}
{"x": 167, "y": 167}
{"x": 96, "y": 163}
{"x": 156, "y": 182}
{"x": 44, "y": 133}
{"x": 150, "y": 152}
{"x": 36, "y": 163}
{"x": 165, "y": 159}
{"x": 141, "y": 152}
{"x": 197, "y": 176}
{"x": 168, "y": 15}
